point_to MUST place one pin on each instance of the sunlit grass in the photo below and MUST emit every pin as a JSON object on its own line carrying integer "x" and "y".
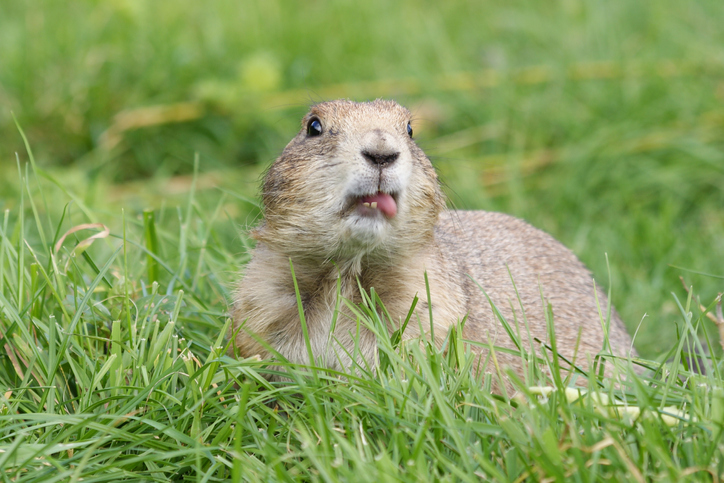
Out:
{"x": 107, "y": 374}
{"x": 153, "y": 122}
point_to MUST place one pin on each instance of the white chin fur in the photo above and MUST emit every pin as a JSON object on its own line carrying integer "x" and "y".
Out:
{"x": 368, "y": 231}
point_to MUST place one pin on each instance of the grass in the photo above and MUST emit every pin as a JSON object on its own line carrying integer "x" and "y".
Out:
{"x": 153, "y": 121}
{"x": 108, "y": 374}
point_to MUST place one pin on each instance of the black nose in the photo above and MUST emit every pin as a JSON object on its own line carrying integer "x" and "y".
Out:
{"x": 380, "y": 159}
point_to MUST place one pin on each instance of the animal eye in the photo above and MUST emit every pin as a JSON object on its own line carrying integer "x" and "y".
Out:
{"x": 314, "y": 128}
{"x": 409, "y": 129}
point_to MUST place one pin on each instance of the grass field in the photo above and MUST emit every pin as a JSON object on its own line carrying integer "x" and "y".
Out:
{"x": 602, "y": 123}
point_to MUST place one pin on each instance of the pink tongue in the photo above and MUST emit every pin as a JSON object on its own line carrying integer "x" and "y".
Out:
{"x": 385, "y": 203}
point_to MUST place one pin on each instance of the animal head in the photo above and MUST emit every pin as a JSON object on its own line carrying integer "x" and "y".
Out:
{"x": 351, "y": 185}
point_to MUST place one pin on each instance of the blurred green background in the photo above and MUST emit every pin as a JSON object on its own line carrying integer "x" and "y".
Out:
{"x": 600, "y": 122}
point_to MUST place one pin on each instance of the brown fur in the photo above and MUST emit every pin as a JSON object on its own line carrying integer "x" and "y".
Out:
{"x": 309, "y": 219}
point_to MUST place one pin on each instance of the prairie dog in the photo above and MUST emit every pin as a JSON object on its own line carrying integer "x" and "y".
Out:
{"x": 352, "y": 199}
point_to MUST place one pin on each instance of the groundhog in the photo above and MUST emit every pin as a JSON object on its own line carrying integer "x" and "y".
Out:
{"x": 354, "y": 202}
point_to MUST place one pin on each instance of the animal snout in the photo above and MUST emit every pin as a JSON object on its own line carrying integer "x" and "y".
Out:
{"x": 379, "y": 148}
{"x": 380, "y": 159}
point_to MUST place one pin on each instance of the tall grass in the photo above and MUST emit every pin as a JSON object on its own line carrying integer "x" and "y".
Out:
{"x": 114, "y": 367}
{"x": 598, "y": 122}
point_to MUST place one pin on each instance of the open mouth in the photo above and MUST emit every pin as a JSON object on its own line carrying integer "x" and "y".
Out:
{"x": 373, "y": 205}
